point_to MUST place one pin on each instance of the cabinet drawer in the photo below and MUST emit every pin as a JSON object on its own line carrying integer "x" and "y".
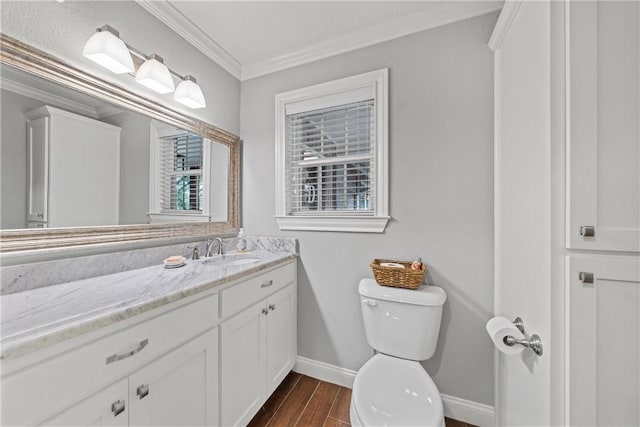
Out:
{"x": 252, "y": 290}
{"x": 42, "y": 390}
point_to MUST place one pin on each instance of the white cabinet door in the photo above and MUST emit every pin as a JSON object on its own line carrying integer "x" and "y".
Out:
{"x": 38, "y": 170}
{"x": 604, "y": 336}
{"x": 243, "y": 364}
{"x": 180, "y": 388}
{"x": 281, "y": 336}
{"x": 108, "y": 407}
{"x": 603, "y": 141}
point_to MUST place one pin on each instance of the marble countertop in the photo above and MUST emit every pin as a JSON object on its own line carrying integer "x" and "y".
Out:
{"x": 35, "y": 319}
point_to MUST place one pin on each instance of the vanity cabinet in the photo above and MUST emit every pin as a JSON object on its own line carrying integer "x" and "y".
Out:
{"x": 258, "y": 343}
{"x": 73, "y": 176}
{"x": 162, "y": 371}
{"x": 177, "y": 389}
{"x": 180, "y": 388}
{"x": 206, "y": 360}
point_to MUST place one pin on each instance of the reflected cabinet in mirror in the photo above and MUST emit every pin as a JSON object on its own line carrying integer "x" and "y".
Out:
{"x": 87, "y": 162}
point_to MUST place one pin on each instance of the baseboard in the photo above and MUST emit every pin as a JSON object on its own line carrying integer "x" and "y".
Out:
{"x": 454, "y": 407}
{"x": 324, "y": 371}
{"x": 470, "y": 412}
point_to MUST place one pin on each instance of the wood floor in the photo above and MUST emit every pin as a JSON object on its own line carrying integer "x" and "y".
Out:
{"x": 307, "y": 402}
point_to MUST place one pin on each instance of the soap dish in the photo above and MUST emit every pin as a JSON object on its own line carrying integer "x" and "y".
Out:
{"x": 174, "y": 262}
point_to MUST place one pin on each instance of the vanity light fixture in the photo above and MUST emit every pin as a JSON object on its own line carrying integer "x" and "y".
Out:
{"x": 155, "y": 75}
{"x": 106, "y": 48}
{"x": 189, "y": 93}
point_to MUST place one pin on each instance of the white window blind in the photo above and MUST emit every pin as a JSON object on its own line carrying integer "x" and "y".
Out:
{"x": 181, "y": 173}
{"x": 330, "y": 160}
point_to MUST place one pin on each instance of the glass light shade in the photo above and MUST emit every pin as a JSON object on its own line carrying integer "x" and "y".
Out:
{"x": 189, "y": 93}
{"x": 108, "y": 50}
{"x": 155, "y": 75}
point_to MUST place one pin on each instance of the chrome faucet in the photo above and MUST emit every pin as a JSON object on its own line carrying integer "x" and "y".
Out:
{"x": 210, "y": 244}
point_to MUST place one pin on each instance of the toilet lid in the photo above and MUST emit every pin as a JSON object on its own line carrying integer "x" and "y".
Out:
{"x": 389, "y": 391}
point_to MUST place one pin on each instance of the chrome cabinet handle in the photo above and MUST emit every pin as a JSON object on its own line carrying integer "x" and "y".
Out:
{"x": 585, "y": 277}
{"x": 265, "y": 311}
{"x": 272, "y": 307}
{"x": 267, "y": 284}
{"x": 142, "y": 391}
{"x": 117, "y": 407}
{"x": 587, "y": 231}
{"x": 116, "y": 357}
{"x": 40, "y": 215}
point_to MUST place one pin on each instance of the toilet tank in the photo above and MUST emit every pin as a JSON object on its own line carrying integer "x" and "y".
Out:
{"x": 401, "y": 322}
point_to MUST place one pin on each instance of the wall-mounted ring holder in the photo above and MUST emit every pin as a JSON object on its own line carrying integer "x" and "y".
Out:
{"x": 533, "y": 342}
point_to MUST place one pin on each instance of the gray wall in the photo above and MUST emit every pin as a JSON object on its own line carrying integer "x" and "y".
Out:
{"x": 441, "y": 198}
{"x": 63, "y": 28}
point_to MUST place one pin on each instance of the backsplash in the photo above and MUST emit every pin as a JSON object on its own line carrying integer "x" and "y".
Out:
{"x": 24, "y": 277}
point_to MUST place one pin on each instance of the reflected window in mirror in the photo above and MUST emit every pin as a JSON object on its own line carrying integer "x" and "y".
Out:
{"x": 187, "y": 179}
{"x": 181, "y": 183}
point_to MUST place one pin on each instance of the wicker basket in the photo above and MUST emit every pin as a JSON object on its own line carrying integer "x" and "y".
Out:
{"x": 397, "y": 277}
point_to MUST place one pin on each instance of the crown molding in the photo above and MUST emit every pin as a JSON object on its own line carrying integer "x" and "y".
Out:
{"x": 436, "y": 16}
{"x": 186, "y": 29}
{"x": 500, "y": 31}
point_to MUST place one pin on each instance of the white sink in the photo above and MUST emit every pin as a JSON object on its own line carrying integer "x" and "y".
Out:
{"x": 232, "y": 259}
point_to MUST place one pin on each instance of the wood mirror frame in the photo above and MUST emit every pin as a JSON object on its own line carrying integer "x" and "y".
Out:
{"x": 36, "y": 62}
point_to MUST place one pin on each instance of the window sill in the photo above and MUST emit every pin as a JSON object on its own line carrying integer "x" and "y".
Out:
{"x": 352, "y": 224}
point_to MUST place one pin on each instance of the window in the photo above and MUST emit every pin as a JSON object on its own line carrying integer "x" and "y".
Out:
{"x": 179, "y": 175}
{"x": 181, "y": 186}
{"x": 332, "y": 155}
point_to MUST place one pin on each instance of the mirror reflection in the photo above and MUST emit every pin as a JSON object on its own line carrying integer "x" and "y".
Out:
{"x": 71, "y": 160}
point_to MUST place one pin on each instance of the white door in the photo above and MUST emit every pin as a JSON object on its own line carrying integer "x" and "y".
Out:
{"x": 108, "y": 407}
{"x": 180, "y": 388}
{"x": 523, "y": 205}
{"x": 604, "y": 332}
{"x": 604, "y": 142}
{"x": 243, "y": 365}
{"x": 281, "y": 336}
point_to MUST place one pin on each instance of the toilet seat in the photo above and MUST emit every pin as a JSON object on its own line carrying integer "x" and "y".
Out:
{"x": 389, "y": 391}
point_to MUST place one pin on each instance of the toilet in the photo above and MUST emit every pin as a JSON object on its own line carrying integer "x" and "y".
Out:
{"x": 392, "y": 388}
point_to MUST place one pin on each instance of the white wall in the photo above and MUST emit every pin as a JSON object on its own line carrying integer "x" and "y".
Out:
{"x": 63, "y": 28}
{"x": 441, "y": 198}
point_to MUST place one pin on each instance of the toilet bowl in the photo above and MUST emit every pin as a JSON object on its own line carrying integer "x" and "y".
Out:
{"x": 389, "y": 391}
{"x": 392, "y": 388}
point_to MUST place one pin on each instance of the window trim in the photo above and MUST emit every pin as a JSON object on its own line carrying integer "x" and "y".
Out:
{"x": 378, "y": 81}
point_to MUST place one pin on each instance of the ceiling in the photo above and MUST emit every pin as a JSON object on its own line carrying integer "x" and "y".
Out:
{"x": 253, "y": 38}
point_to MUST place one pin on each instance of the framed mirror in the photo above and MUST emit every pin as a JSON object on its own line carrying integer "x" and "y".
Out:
{"x": 35, "y": 85}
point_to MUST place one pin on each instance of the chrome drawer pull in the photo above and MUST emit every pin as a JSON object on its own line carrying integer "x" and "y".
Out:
{"x": 267, "y": 284}
{"x": 143, "y": 391}
{"x": 585, "y": 277}
{"x": 117, "y": 407}
{"x": 116, "y": 357}
{"x": 587, "y": 231}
